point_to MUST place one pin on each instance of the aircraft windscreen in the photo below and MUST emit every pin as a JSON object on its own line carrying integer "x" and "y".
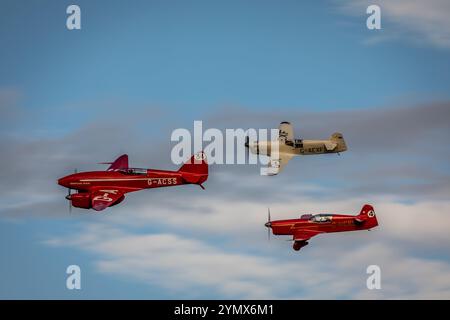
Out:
{"x": 321, "y": 218}
{"x": 135, "y": 171}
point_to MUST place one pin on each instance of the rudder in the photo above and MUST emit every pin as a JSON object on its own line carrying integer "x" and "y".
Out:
{"x": 196, "y": 164}
{"x": 338, "y": 138}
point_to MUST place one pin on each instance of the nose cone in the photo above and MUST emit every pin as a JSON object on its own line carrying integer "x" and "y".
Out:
{"x": 64, "y": 182}
{"x": 268, "y": 224}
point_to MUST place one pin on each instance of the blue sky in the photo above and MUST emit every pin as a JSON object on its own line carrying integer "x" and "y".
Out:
{"x": 196, "y": 56}
{"x": 135, "y": 72}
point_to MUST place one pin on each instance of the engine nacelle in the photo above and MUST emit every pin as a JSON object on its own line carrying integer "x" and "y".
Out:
{"x": 81, "y": 200}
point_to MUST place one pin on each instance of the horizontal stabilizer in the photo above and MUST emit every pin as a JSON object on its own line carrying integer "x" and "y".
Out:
{"x": 330, "y": 145}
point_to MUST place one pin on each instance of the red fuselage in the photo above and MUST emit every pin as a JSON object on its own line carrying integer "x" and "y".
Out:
{"x": 338, "y": 223}
{"x": 102, "y": 189}
{"x": 85, "y": 181}
{"x": 309, "y": 226}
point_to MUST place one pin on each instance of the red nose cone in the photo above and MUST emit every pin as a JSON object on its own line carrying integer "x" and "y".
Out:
{"x": 64, "y": 182}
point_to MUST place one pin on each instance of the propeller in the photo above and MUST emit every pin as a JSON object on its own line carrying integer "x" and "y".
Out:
{"x": 70, "y": 201}
{"x": 247, "y": 147}
{"x": 268, "y": 224}
{"x": 69, "y": 194}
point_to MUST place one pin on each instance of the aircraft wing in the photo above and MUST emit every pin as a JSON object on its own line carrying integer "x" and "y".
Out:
{"x": 105, "y": 197}
{"x": 286, "y": 130}
{"x": 305, "y": 235}
{"x": 277, "y": 164}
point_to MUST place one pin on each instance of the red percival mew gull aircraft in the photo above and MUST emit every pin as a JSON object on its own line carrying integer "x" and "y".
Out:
{"x": 101, "y": 189}
{"x": 310, "y": 225}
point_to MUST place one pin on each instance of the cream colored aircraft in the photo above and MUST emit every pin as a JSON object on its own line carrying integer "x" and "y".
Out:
{"x": 289, "y": 147}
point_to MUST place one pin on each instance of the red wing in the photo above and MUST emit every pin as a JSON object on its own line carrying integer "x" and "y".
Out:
{"x": 305, "y": 235}
{"x": 105, "y": 197}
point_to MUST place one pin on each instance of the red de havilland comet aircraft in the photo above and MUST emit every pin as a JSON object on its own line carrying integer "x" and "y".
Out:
{"x": 101, "y": 189}
{"x": 310, "y": 225}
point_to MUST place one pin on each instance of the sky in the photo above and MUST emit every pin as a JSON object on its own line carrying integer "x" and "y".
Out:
{"x": 70, "y": 99}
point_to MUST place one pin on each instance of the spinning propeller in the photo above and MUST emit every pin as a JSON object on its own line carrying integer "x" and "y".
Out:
{"x": 68, "y": 198}
{"x": 268, "y": 223}
{"x": 69, "y": 194}
{"x": 247, "y": 144}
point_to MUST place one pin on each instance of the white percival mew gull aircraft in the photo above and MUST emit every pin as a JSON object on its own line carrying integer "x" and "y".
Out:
{"x": 289, "y": 147}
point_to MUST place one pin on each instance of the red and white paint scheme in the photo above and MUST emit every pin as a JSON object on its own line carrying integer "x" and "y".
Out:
{"x": 101, "y": 189}
{"x": 310, "y": 225}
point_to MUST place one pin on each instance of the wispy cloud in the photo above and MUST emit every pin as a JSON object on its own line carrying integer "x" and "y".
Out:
{"x": 195, "y": 255}
{"x": 422, "y": 22}
{"x": 193, "y": 242}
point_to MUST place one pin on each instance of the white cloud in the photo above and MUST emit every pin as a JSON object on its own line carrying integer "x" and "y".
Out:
{"x": 424, "y": 224}
{"x": 201, "y": 243}
{"x": 183, "y": 265}
{"x": 245, "y": 265}
{"x": 416, "y": 20}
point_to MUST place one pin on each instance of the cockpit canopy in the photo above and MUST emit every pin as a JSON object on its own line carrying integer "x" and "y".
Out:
{"x": 321, "y": 218}
{"x": 139, "y": 171}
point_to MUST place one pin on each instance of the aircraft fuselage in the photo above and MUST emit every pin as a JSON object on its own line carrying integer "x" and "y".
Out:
{"x": 300, "y": 146}
{"x": 334, "y": 223}
{"x": 146, "y": 179}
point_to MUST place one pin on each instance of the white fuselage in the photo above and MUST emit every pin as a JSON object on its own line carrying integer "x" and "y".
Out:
{"x": 297, "y": 147}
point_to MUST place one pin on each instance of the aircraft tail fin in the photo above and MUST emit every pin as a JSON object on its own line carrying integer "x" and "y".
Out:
{"x": 338, "y": 138}
{"x": 195, "y": 170}
{"x": 366, "y": 209}
{"x": 367, "y": 215}
{"x": 120, "y": 163}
